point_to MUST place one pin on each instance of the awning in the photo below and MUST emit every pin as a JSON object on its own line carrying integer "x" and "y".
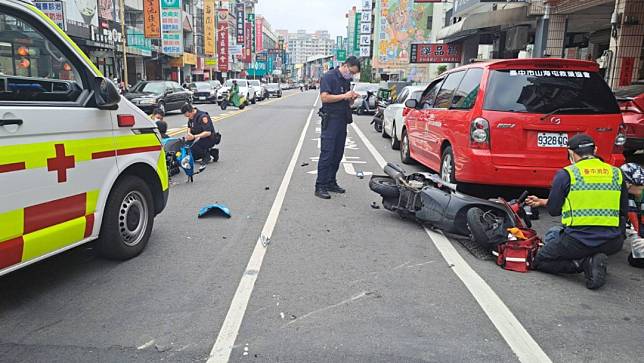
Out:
{"x": 473, "y": 22}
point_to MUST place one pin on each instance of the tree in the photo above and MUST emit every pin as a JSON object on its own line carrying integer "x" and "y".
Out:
{"x": 441, "y": 69}
{"x": 366, "y": 72}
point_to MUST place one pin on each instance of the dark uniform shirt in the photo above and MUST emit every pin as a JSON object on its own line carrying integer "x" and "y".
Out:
{"x": 333, "y": 83}
{"x": 588, "y": 235}
{"x": 197, "y": 126}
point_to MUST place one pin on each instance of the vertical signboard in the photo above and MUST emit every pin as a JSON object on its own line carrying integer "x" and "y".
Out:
{"x": 259, "y": 35}
{"x": 356, "y": 33}
{"x": 152, "y": 19}
{"x": 365, "y": 29}
{"x": 626, "y": 73}
{"x": 54, "y": 10}
{"x": 251, "y": 21}
{"x": 171, "y": 28}
{"x": 248, "y": 47}
{"x": 239, "y": 16}
{"x": 222, "y": 40}
{"x": 209, "y": 27}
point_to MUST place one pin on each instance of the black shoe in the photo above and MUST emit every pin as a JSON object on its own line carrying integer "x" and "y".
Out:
{"x": 335, "y": 188}
{"x": 595, "y": 270}
{"x": 322, "y": 193}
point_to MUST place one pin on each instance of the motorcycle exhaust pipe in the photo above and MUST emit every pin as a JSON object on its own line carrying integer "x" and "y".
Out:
{"x": 396, "y": 173}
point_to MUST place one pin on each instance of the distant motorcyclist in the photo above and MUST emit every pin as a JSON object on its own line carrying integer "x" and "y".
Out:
{"x": 592, "y": 199}
{"x": 233, "y": 98}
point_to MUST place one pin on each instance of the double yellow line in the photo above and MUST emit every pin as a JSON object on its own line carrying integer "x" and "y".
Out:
{"x": 181, "y": 130}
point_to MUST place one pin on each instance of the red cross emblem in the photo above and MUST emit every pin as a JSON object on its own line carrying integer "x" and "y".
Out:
{"x": 61, "y": 163}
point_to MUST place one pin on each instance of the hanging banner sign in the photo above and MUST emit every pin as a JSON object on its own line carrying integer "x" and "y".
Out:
{"x": 248, "y": 54}
{"x": 152, "y": 19}
{"x": 239, "y": 14}
{"x": 209, "y": 27}
{"x": 222, "y": 40}
{"x": 251, "y": 21}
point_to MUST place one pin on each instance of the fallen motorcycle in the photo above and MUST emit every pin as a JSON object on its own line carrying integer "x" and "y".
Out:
{"x": 426, "y": 198}
{"x": 179, "y": 156}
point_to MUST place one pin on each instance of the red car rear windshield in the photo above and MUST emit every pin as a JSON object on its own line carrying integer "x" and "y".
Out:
{"x": 543, "y": 91}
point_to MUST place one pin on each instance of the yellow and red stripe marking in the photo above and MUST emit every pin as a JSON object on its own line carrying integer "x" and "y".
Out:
{"x": 42, "y": 228}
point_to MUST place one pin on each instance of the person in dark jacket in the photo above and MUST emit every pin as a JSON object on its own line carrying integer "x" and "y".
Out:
{"x": 201, "y": 129}
{"x": 336, "y": 96}
{"x": 634, "y": 178}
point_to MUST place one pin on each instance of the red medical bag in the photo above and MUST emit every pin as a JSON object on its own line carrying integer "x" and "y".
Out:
{"x": 517, "y": 255}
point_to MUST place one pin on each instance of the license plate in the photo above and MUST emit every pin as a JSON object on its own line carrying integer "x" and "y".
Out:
{"x": 552, "y": 139}
{"x": 202, "y": 98}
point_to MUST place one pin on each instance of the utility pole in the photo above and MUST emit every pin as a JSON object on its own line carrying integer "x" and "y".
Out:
{"x": 124, "y": 44}
{"x": 116, "y": 70}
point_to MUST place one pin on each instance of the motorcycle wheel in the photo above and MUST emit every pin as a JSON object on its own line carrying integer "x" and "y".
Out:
{"x": 224, "y": 105}
{"x": 483, "y": 229}
{"x": 384, "y": 186}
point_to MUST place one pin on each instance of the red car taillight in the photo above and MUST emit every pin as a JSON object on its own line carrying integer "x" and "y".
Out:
{"x": 620, "y": 140}
{"x": 480, "y": 133}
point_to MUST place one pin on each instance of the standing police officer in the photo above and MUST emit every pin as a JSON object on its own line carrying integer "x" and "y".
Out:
{"x": 336, "y": 96}
{"x": 592, "y": 199}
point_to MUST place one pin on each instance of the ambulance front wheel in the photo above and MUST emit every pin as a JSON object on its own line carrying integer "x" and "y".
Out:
{"x": 128, "y": 219}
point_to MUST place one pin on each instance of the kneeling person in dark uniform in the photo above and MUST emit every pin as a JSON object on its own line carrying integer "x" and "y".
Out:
{"x": 200, "y": 127}
{"x": 592, "y": 199}
{"x": 336, "y": 96}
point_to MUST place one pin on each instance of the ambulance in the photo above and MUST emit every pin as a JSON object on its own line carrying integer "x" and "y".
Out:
{"x": 77, "y": 161}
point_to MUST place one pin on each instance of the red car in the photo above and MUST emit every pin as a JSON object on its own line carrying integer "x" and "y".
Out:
{"x": 508, "y": 122}
{"x": 631, "y": 102}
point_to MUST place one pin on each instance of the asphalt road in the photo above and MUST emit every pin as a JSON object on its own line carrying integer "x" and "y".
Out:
{"x": 337, "y": 280}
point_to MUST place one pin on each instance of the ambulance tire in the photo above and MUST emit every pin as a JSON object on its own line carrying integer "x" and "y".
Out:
{"x": 128, "y": 219}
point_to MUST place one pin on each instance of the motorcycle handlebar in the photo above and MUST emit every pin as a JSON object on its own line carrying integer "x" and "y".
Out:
{"x": 523, "y": 197}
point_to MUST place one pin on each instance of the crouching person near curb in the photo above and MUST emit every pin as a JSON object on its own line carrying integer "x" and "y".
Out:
{"x": 634, "y": 178}
{"x": 592, "y": 199}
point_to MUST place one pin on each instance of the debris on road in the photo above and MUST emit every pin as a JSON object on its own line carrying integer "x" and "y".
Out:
{"x": 305, "y": 164}
{"x": 265, "y": 240}
{"x": 267, "y": 188}
{"x": 214, "y": 210}
{"x": 360, "y": 174}
{"x": 375, "y": 205}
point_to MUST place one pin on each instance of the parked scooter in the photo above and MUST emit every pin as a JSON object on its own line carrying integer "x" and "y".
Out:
{"x": 426, "y": 198}
{"x": 379, "y": 117}
{"x": 368, "y": 105}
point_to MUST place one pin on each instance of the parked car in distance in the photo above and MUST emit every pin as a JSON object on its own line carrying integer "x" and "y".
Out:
{"x": 203, "y": 92}
{"x": 508, "y": 122}
{"x": 166, "y": 95}
{"x": 394, "y": 114}
{"x": 274, "y": 90}
{"x": 631, "y": 103}
{"x": 257, "y": 89}
{"x": 361, "y": 89}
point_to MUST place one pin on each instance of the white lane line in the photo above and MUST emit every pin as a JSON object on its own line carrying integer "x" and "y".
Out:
{"x": 517, "y": 337}
{"x": 519, "y": 340}
{"x": 230, "y": 328}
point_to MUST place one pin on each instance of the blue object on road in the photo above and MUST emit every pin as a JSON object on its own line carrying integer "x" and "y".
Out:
{"x": 214, "y": 209}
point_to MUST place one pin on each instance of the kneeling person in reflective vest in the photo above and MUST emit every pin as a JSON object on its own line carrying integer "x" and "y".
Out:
{"x": 592, "y": 199}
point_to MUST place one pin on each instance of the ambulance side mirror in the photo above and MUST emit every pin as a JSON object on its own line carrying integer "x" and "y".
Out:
{"x": 106, "y": 94}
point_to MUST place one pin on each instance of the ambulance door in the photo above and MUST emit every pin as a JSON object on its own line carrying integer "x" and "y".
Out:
{"x": 56, "y": 149}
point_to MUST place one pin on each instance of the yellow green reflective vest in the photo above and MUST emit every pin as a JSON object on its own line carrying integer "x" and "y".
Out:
{"x": 594, "y": 196}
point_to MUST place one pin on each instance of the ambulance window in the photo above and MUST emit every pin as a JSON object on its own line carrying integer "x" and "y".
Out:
{"x": 32, "y": 68}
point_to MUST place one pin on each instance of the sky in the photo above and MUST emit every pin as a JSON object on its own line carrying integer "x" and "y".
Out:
{"x": 311, "y": 15}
